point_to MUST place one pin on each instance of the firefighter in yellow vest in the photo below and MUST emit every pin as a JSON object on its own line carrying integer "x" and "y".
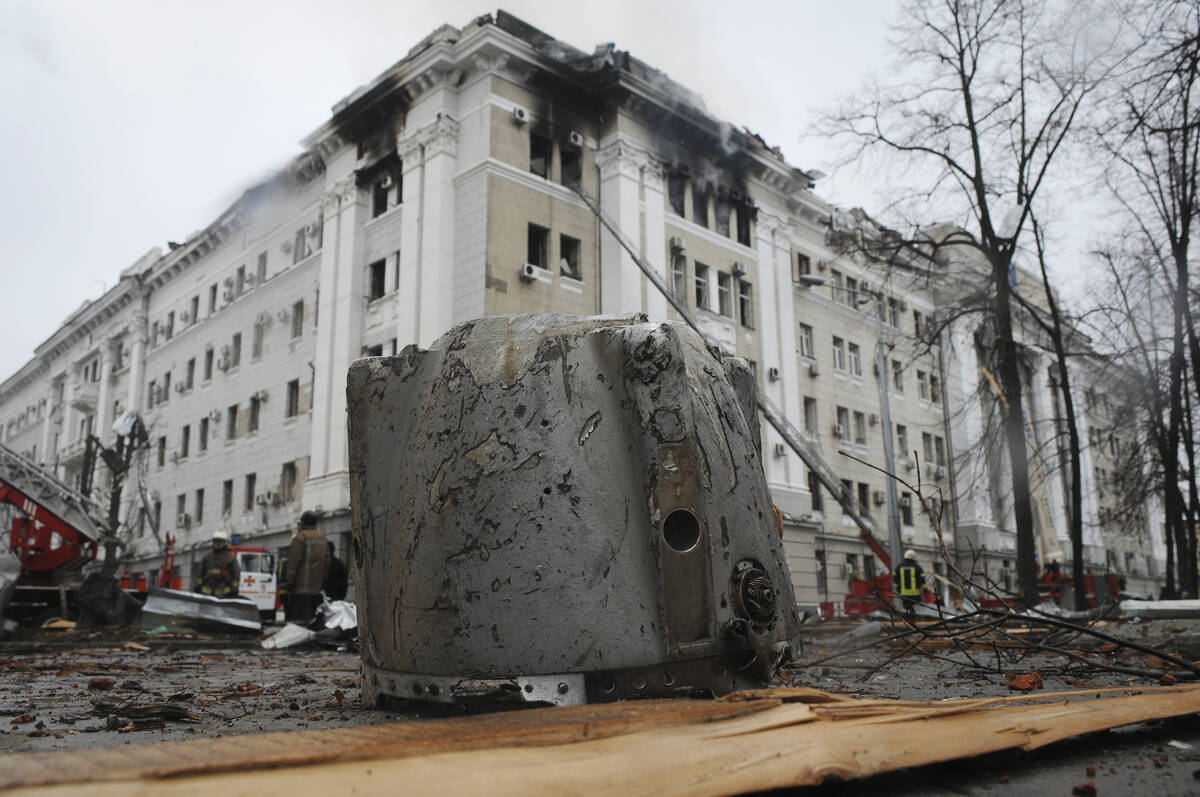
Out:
{"x": 220, "y": 575}
{"x": 909, "y": 581}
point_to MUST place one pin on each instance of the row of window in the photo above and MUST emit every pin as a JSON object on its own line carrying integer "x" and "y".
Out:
{"x": 847, "y": 358}
{"x": 230, "y": 357}
{"x": 237, "y": 423}
{"x": 712, "y": 290}
{"x": 285, "y": 494}
{"x": 721, "y": 205}
{"x": 848, "y": 290}
{"x": 538, "y": 252}
{"x": 851, "y": 425}
{"x": 541, "y": 160}
{"x": 306, "y": 242}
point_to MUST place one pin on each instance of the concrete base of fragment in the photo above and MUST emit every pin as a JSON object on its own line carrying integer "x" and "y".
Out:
{"x": 559, "y": 509}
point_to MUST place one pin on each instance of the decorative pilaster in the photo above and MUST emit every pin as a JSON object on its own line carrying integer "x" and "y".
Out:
{"x": 621, "y": 164}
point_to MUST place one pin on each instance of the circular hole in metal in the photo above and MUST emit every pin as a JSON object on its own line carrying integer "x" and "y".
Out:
{"x": 433, "y": 690}
{"x": 639, "y": 682}
{"x": 608, "y": 684}
{"x": 668, "y": 679}
{"x": 528, "y": 688}
{"x": 681, "y": 530}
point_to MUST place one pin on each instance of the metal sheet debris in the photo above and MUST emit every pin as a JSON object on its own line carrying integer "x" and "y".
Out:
{"x": 191, "y": 611}
{"x": 1161, "y": 610}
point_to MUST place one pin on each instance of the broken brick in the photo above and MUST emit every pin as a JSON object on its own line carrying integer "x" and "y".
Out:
{"x": 1027, "y": 683}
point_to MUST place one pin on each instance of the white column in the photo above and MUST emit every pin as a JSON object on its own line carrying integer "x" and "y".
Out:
{"x": 137, "y": 359}
{"x": 1041, "y": 396}
{"x": 620, "y": 278}
{"x": 436, "y": 275}
{"x": 971, "y": 468}
{"x": 1090, "y": 504}
{"x": 655, "y": 253}
{"x": 103, "y": 421}
{"x": 412, "y": 157}
{"x": 339, "y": 341}
{"x": 44, "y": 457}
{"x": 778, "y": 341}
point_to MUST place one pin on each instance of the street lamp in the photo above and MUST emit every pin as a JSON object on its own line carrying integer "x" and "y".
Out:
{"x": 889, "y": 456}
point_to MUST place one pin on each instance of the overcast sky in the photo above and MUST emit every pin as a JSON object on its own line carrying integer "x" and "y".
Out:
{"x": 127, "y": 124}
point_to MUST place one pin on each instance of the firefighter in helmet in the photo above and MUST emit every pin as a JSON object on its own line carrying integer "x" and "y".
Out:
{"x": 909, "y": 581}
{"x": 219, "y": 571}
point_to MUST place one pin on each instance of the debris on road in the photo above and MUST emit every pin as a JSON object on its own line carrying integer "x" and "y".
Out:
{"x": 191, "y": 611}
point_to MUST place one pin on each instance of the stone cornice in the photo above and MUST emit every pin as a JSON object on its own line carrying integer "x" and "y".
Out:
{"x": 439, "y": 136}
{"x": 620, "y": 155}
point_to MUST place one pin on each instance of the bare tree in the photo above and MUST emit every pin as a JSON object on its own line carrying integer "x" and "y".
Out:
{"x": 1153, "y": 139}
{"x": 986, "y": 95}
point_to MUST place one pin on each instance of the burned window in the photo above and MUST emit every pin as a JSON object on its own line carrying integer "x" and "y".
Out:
{"x": 897, "y": 376}
{"x": 679, "y": 275}
{"x": 568, "y": 257}
{"x": 744, "y": 214}
{"x": 699, "y": 204}
{"x": 702, "y": 290}
{"x": 260, "y": 268}
{"x": 539, "y": 155}
{"x": 538, "y": 244}
{"x": 572, "y": 166}
{"x": 676, "y": 191}
{"x": 902, "y": 439}
{"x": 380, "y": 191}
{"x": 723, "y": 209}
{"x": 375, "y": 279}
{"x": 373, "y": 351}
{"x": 287, "y": 483}
{"x": 819, "y": 562}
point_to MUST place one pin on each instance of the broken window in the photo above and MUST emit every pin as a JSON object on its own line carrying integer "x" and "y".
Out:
{"x": 298, "y": 318}
{"x": 375, "y": 279}
{"x": 185, "y": 441}
{"x": 839, "y": 354}
{"x": 847, "y": 494}
{"x": 810, "y": 415}
{"x": 240, "y": 281}
{"x": 212, "y": 299}
{"x": 537, "y": 246}
{"x": 227, "y": 497}
{"x": 202, "y": 441}
{"x": 702, "y": 300}
{"x": 851, "y": 566}
{"x": 161, "y": 456}
{"x": 287, "y": 482}
{"x": 260, "y": 268}
{"x": 292, "y": 408}
{"x": 679, "y": 275}
{"x": 746, "y": 303}
{"x": 855, "y": 359}
{"x": 806, "y": 341}
{"x": 208, "y": 363}
{"x": 255, "y": 412}
{"x": 539, "y": 155}
{"x": 231, "y": 422}
{"x": 803, "y": 266}
{"x": 568, "y": 257}
{"x": 676, "y": 190}
{"x": 724, "y": 294}
{"x": 860, "y": 428}
{"x": 379, "y": 196}
{"x": 572, "y": 166}
{"x": 699, "y": 205}
{"x": 248, "y": 501}
{"x": 199, "y": 508}
{"x": 373, "y": 351}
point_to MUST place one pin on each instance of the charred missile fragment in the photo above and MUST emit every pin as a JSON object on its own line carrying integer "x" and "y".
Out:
{"x": 560, "y": 509}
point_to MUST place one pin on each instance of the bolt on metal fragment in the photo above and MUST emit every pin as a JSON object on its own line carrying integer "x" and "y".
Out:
{"x": 558, "y": 509}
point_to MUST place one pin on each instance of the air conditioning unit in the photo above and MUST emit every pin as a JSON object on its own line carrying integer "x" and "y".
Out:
{"x": 907, "y": 463}
{"x": 780, "y": 450}
{"x": 528, "y": 272}
{"x": 174, "y": 456}
{"x": 284, "y": 314}
{"x": 676, "y": 243}
{"x": 183, "y": 520}
{"x": 906, "y": 501}
{"x": 248, "y": 280}
{"x": 215, "y": 416}
{"x": 265, "y": 499}
{"x": 813, "y": 370}
{"x": 773, "y": 374}
{"x": 184, "y": 316}
{"x": 387, "y": 182}
{"x": 575, "y": 139}
{"x": 864, "y": 286}
{"x": 223, "y": 360}
{"x": 310, "y": 229}
{"x": 261, "y": 395}
{"x": 822, "y": 265}
{"x": 878, "y": 497}
{"x": 838, "y": 431}
{"x": 739, "y": 269}
{"x": 180, "y": 387}
{"x": 874, "y": 419}
{"x": 930, "y": 469}
{"x": 520, "y": 115}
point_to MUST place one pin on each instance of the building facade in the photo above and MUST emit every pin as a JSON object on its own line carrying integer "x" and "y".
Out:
{"x": 449, "y": 188}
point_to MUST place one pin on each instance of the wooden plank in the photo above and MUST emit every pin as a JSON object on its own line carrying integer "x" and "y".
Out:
{"x": 785, "y": 744}
{"x": 415, "y": 737}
